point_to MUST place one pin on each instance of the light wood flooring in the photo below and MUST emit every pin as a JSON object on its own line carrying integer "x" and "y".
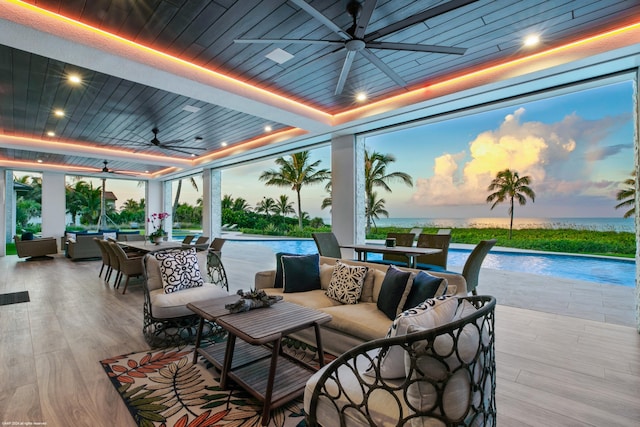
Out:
{"x": 553, "y": 370}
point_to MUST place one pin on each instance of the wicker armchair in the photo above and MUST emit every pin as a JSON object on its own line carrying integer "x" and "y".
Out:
{"x": 450, "y": 378}
{"x": 167, "y": 320}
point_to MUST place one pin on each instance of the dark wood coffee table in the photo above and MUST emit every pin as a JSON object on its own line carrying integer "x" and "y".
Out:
{"x": 264, "y": 371}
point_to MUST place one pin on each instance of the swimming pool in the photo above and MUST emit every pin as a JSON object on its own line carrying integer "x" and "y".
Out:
{"x": 591, "y": 269}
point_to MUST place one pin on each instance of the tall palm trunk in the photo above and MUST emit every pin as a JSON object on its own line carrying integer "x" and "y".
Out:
{"x": 176, "y": 199}
{"x": 511, "y": 219}
{"x": 299, "y": 209}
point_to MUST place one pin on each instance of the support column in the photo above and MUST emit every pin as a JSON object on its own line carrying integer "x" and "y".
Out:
{"x": 7, "y": 188}
{"x": 54, "y": 208}
{"x": 153, "y": 200}
{"x": 211, "y": 203}
{"x": 637, "y": 188}
{"x": 347, "y": 189}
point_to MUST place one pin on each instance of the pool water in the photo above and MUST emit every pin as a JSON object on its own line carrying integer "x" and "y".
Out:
{"x": 590, "y": 269}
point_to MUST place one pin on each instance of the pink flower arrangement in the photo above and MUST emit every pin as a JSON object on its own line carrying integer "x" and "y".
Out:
{"x": 157, "y": 222}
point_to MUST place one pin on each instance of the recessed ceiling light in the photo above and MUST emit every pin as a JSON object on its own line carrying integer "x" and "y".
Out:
{"x": 267, "y": 128}
{"x": 50, "y": 133}
{"x": 531, "y": 40}
{"x": 278, "y": 55}
{"x": 146, "y": 171}
{"x": 361, "y": 96}
{"x": 39, "y": 160}
{"x": 224, "y": 144}
{"x": 74, "y": 78}
{"x": 58, "y": 113}
{"x": 193, "y": 155}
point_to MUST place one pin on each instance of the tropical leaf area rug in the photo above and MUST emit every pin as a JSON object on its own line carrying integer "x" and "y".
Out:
{"x": 163, "y": 388}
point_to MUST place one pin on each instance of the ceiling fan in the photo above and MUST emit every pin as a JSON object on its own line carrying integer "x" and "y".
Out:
{"x": 105, "y": 169}
{"x": 172, "y": 145}
{"x": 355, "y": 39}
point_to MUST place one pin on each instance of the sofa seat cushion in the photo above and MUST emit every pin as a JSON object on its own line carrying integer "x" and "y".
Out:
{"x": 312, "y": 299}
{"x": 166, "y": 306}
{"x": 362, "y": 320}
{"x": 379, "y": 406}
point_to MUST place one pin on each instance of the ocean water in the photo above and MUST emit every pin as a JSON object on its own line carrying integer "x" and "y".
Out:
{"x": 593, "y": 224}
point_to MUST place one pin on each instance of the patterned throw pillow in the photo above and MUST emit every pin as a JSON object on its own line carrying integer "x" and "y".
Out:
{"x": 346, "y": 283}
{"x": 179, "y": 270}
{"x": 430, "y": 314}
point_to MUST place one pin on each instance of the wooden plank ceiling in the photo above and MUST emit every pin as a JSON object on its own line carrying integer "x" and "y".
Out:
{"x": 114, "y": 112}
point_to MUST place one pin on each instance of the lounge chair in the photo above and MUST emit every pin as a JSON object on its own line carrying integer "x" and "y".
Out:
{"x": 36, "y": 249}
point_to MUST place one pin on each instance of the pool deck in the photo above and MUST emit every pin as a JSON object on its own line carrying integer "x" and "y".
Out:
{"x": 575, "y": 298}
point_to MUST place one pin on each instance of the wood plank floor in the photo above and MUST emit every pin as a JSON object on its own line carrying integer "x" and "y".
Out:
{"x": 553, "y": 370}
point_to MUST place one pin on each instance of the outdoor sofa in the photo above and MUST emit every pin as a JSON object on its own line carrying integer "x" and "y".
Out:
{"x": 353, "y": 324}
{"x": 36, "y": 248}
{"x": 81, "y": 245}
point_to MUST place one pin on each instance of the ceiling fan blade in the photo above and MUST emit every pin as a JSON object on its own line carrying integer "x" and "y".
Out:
{"x": 185, "y": 147}
{"x": 365, "y": 17}
{"x": 346, "y": 67}
{"x": 420, "y": 17}
{"x": 289, "y": 41}
{"x": 383, "y": 67}
{"x": 173, "y": 141}
{"x": 162, "y": 147}
{"x": 417, "y": 47}
{"x": 320, "y": 17}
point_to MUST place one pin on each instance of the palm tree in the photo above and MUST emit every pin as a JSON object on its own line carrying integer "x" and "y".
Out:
{"x": 508, "y": 185}
{"x": 627, "y": 196}
{"x": 295, "y": 172}
{"x": 266, "y": 206}
{"x": 373, "y": 209}
{"x": 327, "y": 201}
{"x": 241, "y": 204}
{"x": 375, "y": 175}
{"x": 226, "y": 202}
{"x": 176, "y": 200}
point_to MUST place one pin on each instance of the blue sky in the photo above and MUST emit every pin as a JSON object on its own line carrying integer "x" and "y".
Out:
{"x": 577, "y": 148}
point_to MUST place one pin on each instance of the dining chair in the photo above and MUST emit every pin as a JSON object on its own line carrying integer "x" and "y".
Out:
{"x": 402, "y": 239}
{"x": 201, "y": 244}
{"x": 130, "y": 265}
{"x": 444, "y": 231}
{"x": 327, "y": 244}
{"x": 134, "y": 238}
{"x": 187, "y": 239}
{"x": 416, "y": 231}
{"x": 435, "y": 262}
{"x": 471, "y": 269}
{"x": 106, "y": 262}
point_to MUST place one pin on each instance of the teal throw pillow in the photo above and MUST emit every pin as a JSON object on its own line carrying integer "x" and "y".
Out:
{"x": 278, "y": 281}
{"x": 392, "y": 290}
{"x": 424, "y": 286}
{"x": 300, "y": 273}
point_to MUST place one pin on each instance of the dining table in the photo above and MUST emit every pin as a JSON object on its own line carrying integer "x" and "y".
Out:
{"x": 411, "y": 252}
{"x": 147, "y": 246}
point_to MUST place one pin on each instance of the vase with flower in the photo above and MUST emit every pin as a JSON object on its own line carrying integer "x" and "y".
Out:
{"x": 156, "y": 222}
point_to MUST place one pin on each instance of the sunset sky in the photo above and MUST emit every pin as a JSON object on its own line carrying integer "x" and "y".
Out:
{"x": 577, "y": 149}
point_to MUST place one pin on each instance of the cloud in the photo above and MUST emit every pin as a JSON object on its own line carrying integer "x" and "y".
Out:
{"x": 557, "y": 156}
{"x": 602, "y": 153}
